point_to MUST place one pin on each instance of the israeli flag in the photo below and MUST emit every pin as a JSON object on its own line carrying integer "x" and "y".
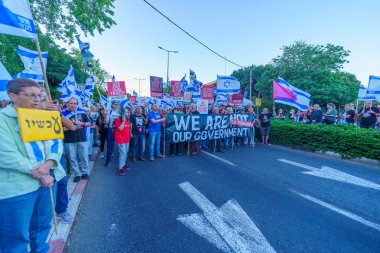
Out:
{"x": 221, "y": 98}
{"x": 103, "y": 101}
{"x": 84, "y": 51}
{"x": 126, "y": 103}
{"x": 16, "y": 19}
{"x": 32, "y": 65}
{"x": 227, "y": 85}
{"x": 194, "y": 85}
{"x": 373, "y": 89}
{"x": 362, "y": 95}
{"x": 90, "y": 85}
{"x": 69, "y": 84}
{"x": 184, "y": 83}
{"x": 5, "y": 77}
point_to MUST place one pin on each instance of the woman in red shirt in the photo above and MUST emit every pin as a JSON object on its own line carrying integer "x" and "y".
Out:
{"x": 123, "y": 134}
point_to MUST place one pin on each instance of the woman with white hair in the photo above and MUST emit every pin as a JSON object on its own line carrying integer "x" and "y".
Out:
{"x": 330, "y": 114}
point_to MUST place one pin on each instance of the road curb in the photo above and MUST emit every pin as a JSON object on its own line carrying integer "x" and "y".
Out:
{"x": 360, "y": 160}
{"x": 75, "y": 191}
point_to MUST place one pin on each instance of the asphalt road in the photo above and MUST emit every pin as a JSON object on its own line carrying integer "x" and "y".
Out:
{"x": 293, "y": 211}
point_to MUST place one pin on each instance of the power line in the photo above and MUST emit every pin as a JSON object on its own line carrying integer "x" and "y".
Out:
{"x": 191, "y": 36}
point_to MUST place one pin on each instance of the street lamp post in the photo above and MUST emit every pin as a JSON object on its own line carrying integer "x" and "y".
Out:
{"x": 167, "y": 69}
{"x": 140, "y": 79}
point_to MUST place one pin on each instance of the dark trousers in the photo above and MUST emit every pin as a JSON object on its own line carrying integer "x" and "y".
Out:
{"x": 110, "y": 144}
{"x": 62, "y": 198}
{"x": 103, "y": 138}
{"x": 175, "y": 148}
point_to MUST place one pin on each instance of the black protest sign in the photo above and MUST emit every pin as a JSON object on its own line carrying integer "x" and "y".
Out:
{"x": 185, "y": 128}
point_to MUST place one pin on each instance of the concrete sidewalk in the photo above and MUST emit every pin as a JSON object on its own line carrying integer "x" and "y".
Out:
{"x": 75, "y": 191}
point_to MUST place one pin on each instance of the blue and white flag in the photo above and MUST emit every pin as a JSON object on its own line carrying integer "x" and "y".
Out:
{"x": 221, "y": 98}
{"x": 90, "y": 85}
{"x": 84, "y": 51}
{"x": 113, "y": 79}
{"x": 103, "y": 101}
{"x": 373, "y": 89}
{"x": 135, "y": 94}
{"x": 5, "y": 77}
{"x": 126, "y": 103}
{"x": 194, "y": 85}
{"x": 184, "y": 83}
{"x": 228, "y": 85}
{"x": 32, "y": 65}
{"x": 68, "y": 85}
{"x": 16, "y": 19}
{"x": 362, "y": 95}
{"x": 69, "y": 88}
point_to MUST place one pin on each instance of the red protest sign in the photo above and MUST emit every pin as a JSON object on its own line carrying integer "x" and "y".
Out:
{"x": 132, "y": 99}
{"x": 116, "y": 89}
{"x": 207, "y": 92}
{"x": 176, "y": 89}
{"x": 156, "y": 87}
{"x": 238, "y": 97}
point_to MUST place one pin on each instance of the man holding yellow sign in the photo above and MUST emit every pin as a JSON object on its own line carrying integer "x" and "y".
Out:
{"x": 27, "y": 170}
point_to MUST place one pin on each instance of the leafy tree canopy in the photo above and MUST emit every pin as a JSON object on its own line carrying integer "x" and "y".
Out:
{"x": 316, "y": 69}
{"x": 63, "y": 18}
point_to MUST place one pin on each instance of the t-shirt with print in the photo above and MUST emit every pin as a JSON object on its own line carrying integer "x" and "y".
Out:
{"x": 124, "y": 135}
{"x": 265, "y": 119}
{"x": 154, "y": 127}
{"x": 138, "y": 125}
{"x": 78, "y": 135}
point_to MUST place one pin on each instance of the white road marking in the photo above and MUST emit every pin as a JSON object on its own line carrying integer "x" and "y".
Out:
{"x": 333, "y": 174}
{"x": 229, "y": 227}
{"x": 340, "y": 211}
{"x": 220, "y": 159}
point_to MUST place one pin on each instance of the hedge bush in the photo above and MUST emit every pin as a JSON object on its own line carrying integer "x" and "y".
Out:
{"x": 348, "y": 140}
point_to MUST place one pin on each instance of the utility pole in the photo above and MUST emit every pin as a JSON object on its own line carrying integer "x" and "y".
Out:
{"x": 167, "y": 67}
{"x": 140, "y": 79}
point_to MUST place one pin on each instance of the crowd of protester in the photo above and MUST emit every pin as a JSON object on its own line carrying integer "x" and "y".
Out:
{"x": 25, "y": 213}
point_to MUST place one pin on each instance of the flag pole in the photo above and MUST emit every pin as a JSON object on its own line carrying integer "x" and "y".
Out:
{"x": 43, "y": 69}
{"x": 49, "y": 96}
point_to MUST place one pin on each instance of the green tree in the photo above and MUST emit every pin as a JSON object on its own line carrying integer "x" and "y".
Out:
{"x": 262, "y": 81}
{"x": 59, "y": 61}
{"x": 63, "y": 19}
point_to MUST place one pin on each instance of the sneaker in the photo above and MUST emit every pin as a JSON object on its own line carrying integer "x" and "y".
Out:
{"x": 91, "y": 158}
{"x": 65, "y": 217}
{"x": 107, "y": 163}
{"x": 172, "y": 155}
{"x": 102, "y": 155}
{"x": 134, "y": 160}
{"x": 77, "y": 179}
{"x": 194, "y": 153}
{"x": 142, "y": 158}
{"x": 85, "y": 176}
{"x": 151, "y": 158}
{"x": 121, "y": 172}
{"x": 126, "y": 168}
{"x": 179, "y": 154}
{"x": 160, "y": 156}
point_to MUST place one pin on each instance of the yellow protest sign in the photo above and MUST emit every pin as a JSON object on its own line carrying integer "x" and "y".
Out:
{"x": 39, "y": 125}
{"x": 258, "y": 101}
